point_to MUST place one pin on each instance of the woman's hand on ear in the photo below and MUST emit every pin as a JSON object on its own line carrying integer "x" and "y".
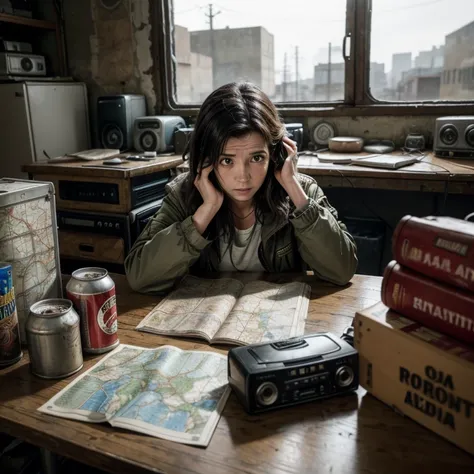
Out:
{"x": 212, "y": 200}
{"x": 287, "y": 175}
{"x": 210, "y": 195}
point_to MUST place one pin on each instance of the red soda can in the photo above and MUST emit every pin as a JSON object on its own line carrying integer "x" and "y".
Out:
{"x": 92, "y": 293}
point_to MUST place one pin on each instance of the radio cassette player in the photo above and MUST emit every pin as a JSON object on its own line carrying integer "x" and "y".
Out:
{"x": 296, "y": 370}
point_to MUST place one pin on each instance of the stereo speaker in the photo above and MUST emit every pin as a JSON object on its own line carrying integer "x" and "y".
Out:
{"x": 116, "y": 116}
{"x": 156, "y": 133}
{"x": 454, "y": 137}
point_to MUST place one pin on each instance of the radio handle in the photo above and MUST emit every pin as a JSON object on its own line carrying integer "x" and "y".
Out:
{"x": 292, "y": 343}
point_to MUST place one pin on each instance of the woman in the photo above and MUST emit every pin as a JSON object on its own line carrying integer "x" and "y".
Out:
{"x": 242, "y": 206}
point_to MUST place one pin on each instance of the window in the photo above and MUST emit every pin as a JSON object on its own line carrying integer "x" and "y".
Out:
{"x": 343, "y": 57}
{"x": 293, "y": 53}
{"x": 423, "y": 43}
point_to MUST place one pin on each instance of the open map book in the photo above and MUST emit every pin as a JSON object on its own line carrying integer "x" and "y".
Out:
{"x": 225, "y": 310}
{"x": 165, "y": 392}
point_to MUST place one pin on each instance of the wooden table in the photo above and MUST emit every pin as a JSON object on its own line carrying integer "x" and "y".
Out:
{"x": 352, "y": 434}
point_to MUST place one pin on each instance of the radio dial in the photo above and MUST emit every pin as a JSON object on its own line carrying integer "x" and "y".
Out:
{"x": 448, "y": 134}
{"x": 344, "y": 376}
{"x": 99, "y": 224}
{"x": 267, "y": 394}
{"x": 470, "y": 135}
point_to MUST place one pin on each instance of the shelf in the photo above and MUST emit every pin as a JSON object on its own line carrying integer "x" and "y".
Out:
{"x": 21, "y": 20}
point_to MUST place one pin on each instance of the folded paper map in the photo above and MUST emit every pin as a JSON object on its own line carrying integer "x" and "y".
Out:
{"x": 164, "y": 392}
{"x": 226, "y": 310}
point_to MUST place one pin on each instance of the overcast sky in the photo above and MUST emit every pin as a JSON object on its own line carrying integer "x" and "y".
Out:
{"x": 397, "y": 25}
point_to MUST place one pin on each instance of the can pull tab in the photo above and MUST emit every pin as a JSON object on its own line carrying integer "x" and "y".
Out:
{"x": 292, "y": 343}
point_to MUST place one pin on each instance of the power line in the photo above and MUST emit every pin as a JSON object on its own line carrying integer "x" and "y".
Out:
{"x": 211, "y": 16}
{"x": 196, "y": 7}
{"x": 297, "y": 92}
{"x": 331, "y": 20}
{"x": 285, "y": 77}
{"x": 408, "y": 7}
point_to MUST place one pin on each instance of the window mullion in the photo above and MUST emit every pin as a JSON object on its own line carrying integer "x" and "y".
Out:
{"x": 362, "y": 51}
{"x": 348, "y": 53}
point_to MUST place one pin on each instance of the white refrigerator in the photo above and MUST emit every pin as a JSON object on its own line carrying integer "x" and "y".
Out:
{"x": 39, "y": 119}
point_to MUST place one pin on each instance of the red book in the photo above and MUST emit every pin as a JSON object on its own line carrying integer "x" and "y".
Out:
{"x": 435, "y": 305}
{"x": 439, "y": 247}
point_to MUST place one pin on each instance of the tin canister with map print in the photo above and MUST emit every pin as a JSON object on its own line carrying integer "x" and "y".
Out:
{"x": 10, "y": 345}
{"x": 54, "y": 338}
{"x": 92, "y": 291}
{"x": 29, "y": 242}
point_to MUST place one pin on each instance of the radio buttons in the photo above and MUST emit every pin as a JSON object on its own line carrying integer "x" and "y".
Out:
{"x": 303, "y": 371}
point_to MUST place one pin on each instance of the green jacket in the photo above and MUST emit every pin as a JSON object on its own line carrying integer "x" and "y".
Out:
{"x": 310, "y": 239}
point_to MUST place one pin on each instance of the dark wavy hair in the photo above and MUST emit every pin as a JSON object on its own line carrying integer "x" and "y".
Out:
{"x": 234, "y": 110}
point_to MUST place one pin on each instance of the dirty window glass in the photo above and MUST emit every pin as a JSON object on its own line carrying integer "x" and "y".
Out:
{"x": 293, "y": 51}
{"x": 425, "y": 48}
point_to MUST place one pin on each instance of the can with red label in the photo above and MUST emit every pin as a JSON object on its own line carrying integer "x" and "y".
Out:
{"x": 92, "y": 292}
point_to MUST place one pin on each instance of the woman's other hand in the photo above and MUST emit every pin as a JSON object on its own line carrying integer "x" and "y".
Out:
{"x": 287, "y": 175}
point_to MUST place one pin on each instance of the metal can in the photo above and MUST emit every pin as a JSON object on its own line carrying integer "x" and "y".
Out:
{"x": 92, "y": 292}
{"x": 10, "y": 345}
{"x": 54, "y": 338}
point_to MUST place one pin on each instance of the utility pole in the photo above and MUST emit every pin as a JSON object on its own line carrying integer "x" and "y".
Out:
{"x": 329, "y": 73}
{"x": 297, "y": 86}
{"x": 211, "y": 16}
{"x": 284, "y": 78}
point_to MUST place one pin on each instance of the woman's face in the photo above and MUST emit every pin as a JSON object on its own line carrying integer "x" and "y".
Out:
{"x": 242, "y": 167}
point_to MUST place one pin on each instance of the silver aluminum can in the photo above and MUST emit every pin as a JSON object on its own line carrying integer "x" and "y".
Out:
{"x": 54, "y": 339}
{"x": 92, "y": 291}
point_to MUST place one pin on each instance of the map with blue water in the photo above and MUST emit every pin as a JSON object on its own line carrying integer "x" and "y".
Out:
{"x": 165, "y": 392}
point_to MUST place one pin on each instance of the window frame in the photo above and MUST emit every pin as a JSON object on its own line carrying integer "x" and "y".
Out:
{"x": 358, "y": 100}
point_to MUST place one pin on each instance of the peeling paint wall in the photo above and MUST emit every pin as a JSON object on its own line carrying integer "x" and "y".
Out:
{"x": 109, "y": 48}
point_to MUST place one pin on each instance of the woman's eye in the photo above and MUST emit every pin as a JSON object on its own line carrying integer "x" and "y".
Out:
{"x": 258, "y": 158}
{"x": 225, "y": 161}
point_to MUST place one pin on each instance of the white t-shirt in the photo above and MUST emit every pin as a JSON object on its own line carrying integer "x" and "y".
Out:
{"x": 244, "y": 251}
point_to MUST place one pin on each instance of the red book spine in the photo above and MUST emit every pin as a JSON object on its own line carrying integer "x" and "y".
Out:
{"x": 434, "y": 305}
{"x": 439, "y": 247}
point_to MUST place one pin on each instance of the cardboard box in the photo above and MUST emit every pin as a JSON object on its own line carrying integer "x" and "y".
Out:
{"x": 422, "y": 374}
